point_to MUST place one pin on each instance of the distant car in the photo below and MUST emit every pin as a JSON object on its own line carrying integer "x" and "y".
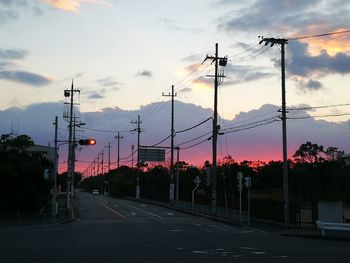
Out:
{"x": 95, "y": 192}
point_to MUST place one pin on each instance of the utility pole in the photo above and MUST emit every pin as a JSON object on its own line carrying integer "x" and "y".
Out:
{"x": 70, "y": 171}
{"x": 282, "y": 43}
{"x": 138, "y": 122}
{"x": 222, "y": 61}
{"x": 132, "y": 156}
{"x": 54, "y": 192}
{"x": 103, "y": 176}
{"x": 172, "y": 132}
{"x": 118, "y": 137}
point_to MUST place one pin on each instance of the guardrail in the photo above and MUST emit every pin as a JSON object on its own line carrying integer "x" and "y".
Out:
{"x": 323, "y": 226}
{"x": 230, "y": 214}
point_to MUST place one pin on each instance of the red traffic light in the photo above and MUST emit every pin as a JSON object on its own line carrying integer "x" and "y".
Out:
{"x": 87, "y": 141}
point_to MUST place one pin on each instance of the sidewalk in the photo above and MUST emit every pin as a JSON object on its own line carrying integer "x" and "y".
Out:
{"x": 264, "y": 226}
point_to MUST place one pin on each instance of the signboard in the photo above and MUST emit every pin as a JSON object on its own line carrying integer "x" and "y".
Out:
{"x": 197, "y": 180}
{"x": 151, "y": 155}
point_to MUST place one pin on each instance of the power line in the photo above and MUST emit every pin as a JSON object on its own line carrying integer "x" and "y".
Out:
{"x": 319, "y": 116}
{"x": 252, "y": 123}
{"x": 252, "y": 127}
{"x": 320, "y": 107}
{"x": 201, "y": 136}
{"x": 194, "y": 145}
{"x": 195, "y": 126}
{"x": 320, "y": 35}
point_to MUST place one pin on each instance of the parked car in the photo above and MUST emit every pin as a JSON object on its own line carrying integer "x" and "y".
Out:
{"x": 95, "y": 192}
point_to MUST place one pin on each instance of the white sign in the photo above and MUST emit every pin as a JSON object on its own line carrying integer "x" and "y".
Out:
{"x": 239, "y": 176}
{"x": 197, "y": 180}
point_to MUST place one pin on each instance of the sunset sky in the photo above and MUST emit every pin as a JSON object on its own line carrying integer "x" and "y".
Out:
{"x": 124, "y": 54}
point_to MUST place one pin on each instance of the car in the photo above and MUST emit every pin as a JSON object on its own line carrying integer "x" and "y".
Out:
{"x": 95, "y": 192}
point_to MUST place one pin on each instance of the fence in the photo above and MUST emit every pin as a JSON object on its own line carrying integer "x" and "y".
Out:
{"x": 230, "y": 214}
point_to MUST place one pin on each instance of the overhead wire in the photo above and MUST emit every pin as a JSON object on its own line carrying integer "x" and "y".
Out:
{"x": 320, "y": 35}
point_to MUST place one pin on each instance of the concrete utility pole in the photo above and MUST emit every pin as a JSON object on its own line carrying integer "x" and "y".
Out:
{"x": 222, "y": 61}
{"x": 138, "y": 122}
{"x": 55, "y": 167}
{"x": 118, "y": 137}
{"x": 103, "y": 175}
{"x": 132, "y": 156}
{"x": 282, "y": 43}
{"x": 172, "y": 132}
{"x": 70, "y": 171}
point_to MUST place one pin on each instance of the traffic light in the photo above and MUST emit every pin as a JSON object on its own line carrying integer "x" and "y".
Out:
{"x": 87, "y": 141}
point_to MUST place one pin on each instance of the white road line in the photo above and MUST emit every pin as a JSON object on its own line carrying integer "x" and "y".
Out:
{"x": 170, "y": 214}
{"x": 133, "y": 213}
{"x": 146, "y": 212}
{"x": 113, "y": 211}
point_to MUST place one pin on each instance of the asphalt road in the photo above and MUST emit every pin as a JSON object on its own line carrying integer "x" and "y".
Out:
{"x": 114, "y": 230}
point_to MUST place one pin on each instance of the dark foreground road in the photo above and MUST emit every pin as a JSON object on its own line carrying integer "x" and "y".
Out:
{"x": 113, "y": 230}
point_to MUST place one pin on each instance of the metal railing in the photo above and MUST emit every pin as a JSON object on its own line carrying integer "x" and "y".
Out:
{"x": 230, "y": 214}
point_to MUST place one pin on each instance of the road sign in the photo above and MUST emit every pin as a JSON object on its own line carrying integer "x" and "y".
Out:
{"x": 151, "y": 155}
{"x": 197, "y": 180}
{"x": 239, "y": 176}
{"x": 248, "y": 182}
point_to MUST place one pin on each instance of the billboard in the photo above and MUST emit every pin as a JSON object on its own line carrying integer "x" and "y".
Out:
{"x": 151, "y": 155}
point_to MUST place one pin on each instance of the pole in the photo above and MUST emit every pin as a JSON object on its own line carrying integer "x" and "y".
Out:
{"x": 118, "y": 137}
{"x": 284, "y": 138}
{"x": 70, "y": 151}
{"x": 103, "y": 175}
{"x": 73, "y": 156}
{"x": 172, "y": 133}
{"x": 132, "y": 156}
{"x": 138, "y": 157}
{"x": 215, "y": 132}
{"x": 54, "y": 192}
{"x": 109, "y": 157}
{"x": 178, "y": 174}
{"x": 283, "y": 42}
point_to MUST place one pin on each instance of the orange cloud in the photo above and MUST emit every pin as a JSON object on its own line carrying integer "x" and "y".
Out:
{"x": 70, "y": 5}
{"x": 333, "y": 44}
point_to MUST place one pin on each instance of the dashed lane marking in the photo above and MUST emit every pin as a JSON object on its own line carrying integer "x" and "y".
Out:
{"x": 146, "y": 212}
{"x": 113, "y": 211}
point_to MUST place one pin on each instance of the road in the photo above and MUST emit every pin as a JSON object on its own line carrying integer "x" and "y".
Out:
{"x": 115, "y": 230}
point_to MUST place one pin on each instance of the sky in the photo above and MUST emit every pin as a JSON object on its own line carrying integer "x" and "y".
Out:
{"x": 123, "y": 55}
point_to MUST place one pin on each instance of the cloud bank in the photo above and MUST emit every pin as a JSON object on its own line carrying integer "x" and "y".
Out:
{"x": 261, "y": 143}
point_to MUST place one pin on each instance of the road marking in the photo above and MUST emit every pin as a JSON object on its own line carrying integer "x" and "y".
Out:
{"x": 170, "y": 214}
{"x": 133, "y": 213}
{"x": 147, "y": 212}
{"x": 200, "y": 252}
{"x": 258, "y": 252}
{"x": 247, "y": 248}
{"x": 113, "y": 211}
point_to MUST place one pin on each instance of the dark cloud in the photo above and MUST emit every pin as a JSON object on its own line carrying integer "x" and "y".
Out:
{"x": 109, "y": 82}
{"x": 240, "y": 74}
{"x": 7, "y": 15}
{"x": 185, "y": 90}
{"x": 96, "y": 95}
{"x": 144, "y": 73}
{"x": 260, "y": 143}
{"x": 297, "y": 16}
{"x": 10, "y": 54}
{"x": 301, "y": 63}
{"x": 309, "y": 85}
{"x": 25, "y": 77}
{"x": 194, "y": 58}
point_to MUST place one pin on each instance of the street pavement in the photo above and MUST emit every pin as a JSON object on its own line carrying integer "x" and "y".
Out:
{"x": 114, "y": 230}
